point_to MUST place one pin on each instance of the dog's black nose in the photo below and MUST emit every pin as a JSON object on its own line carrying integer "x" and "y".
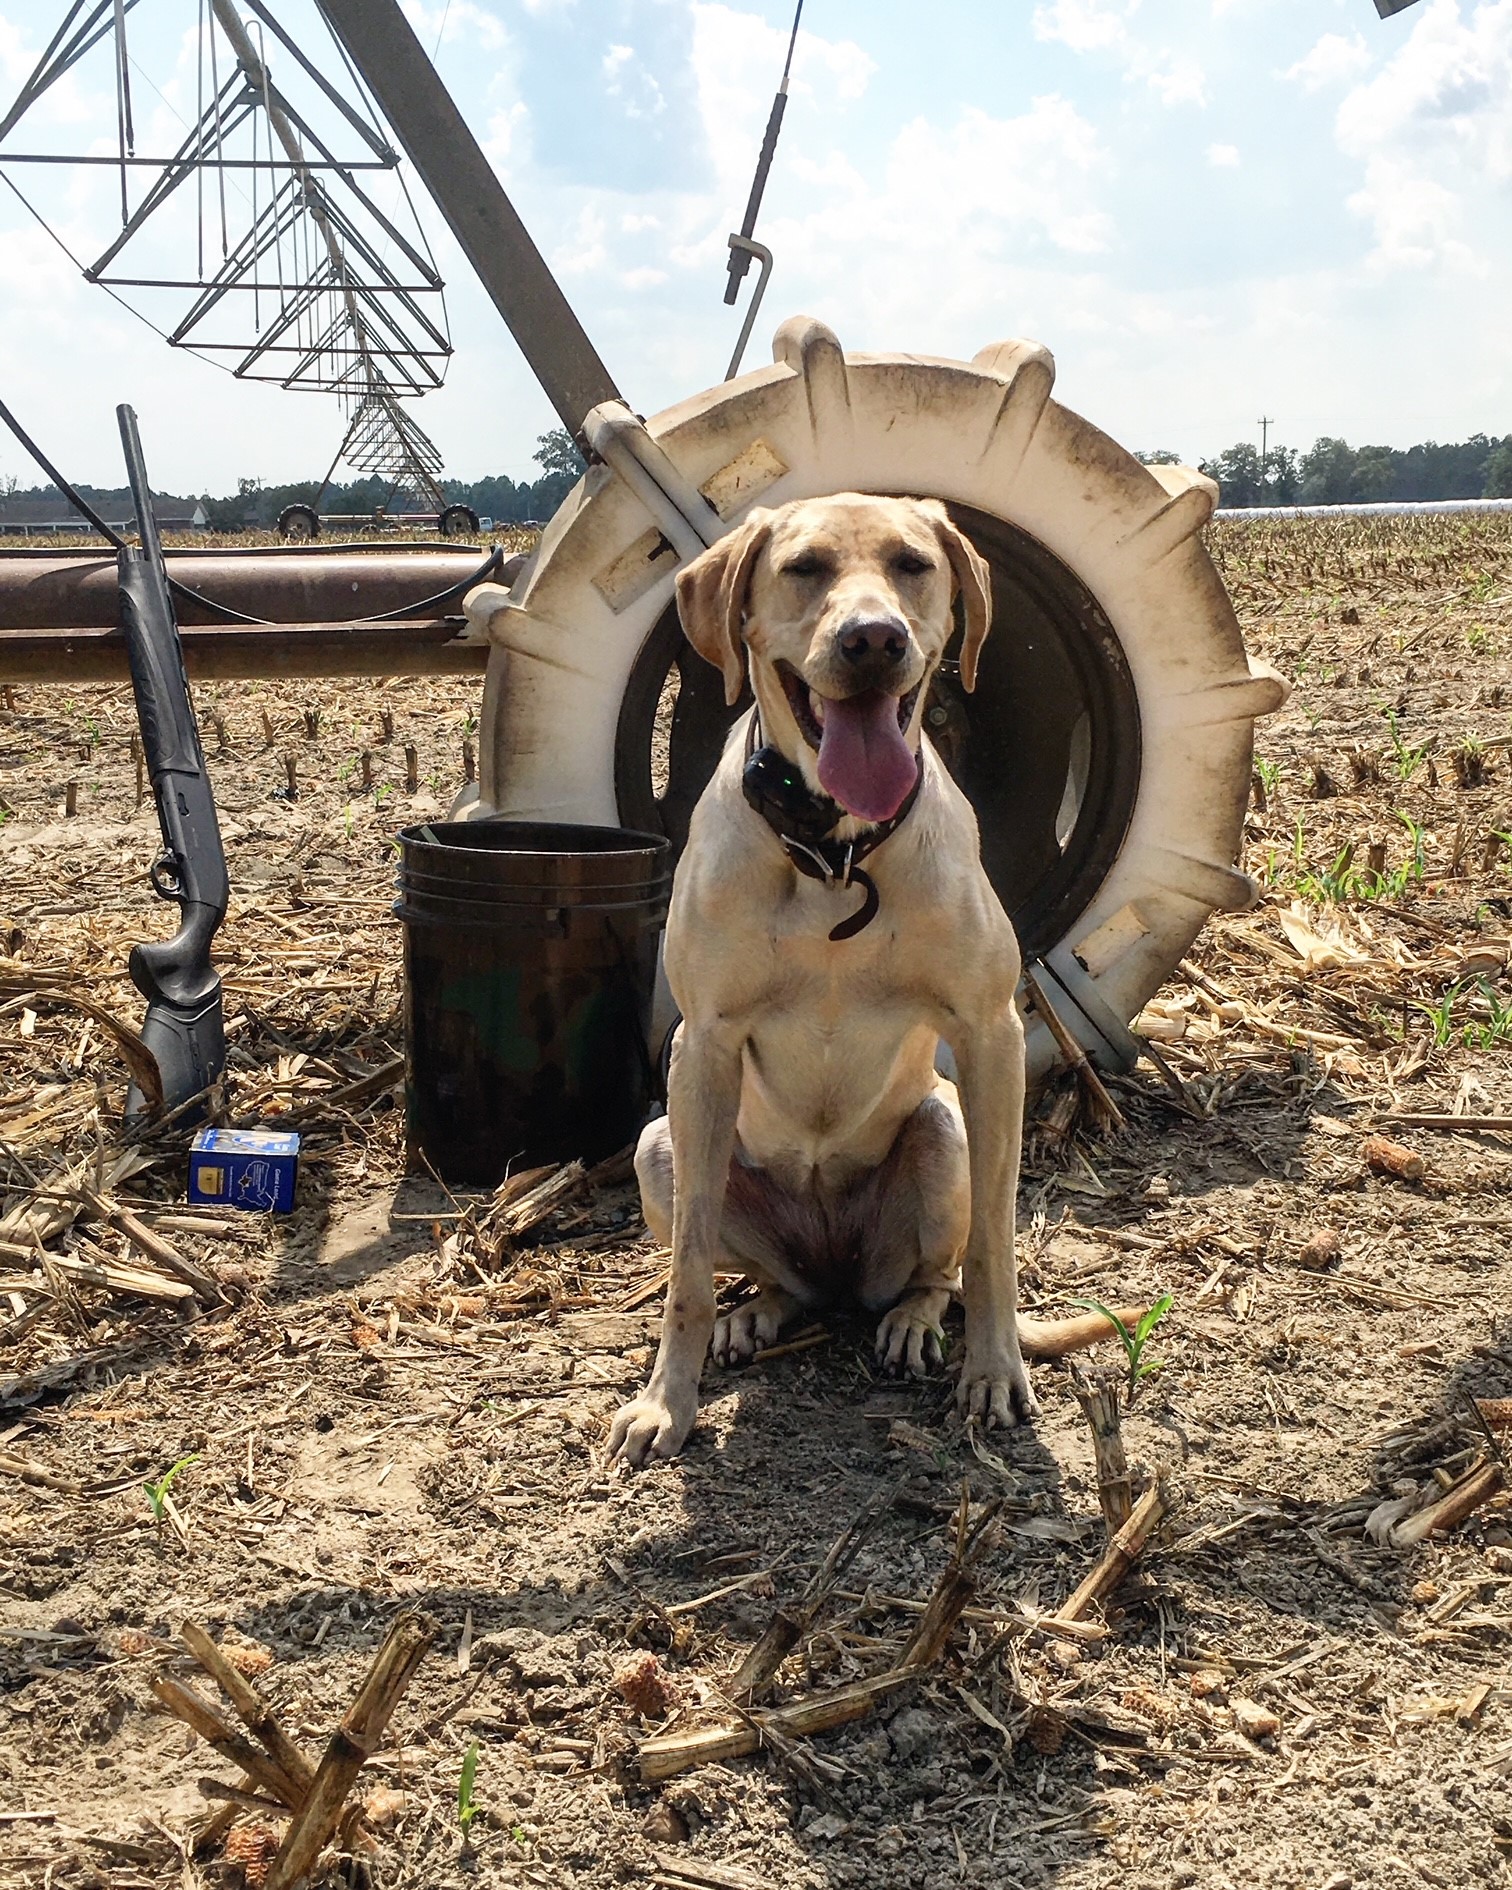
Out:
{"x": 875, "y": 641}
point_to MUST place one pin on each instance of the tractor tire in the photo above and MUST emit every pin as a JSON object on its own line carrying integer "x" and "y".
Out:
{"x": 299, "y": 523}
{"x": 1107, "y": 748}
{"x": 458, "y": 521}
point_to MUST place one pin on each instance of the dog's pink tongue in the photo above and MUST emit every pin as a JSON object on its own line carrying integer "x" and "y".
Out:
{"x": 864, "y": 762}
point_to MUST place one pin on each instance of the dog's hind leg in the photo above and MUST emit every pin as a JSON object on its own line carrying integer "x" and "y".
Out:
{"x": 653, "y": 1170}
{"x": 911, "y": 1217}
{"x": 741, "y": 1333}
{"x": 753, "y": 1209}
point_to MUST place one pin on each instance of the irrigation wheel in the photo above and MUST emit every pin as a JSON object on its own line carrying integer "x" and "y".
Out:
{"x": 458, "y": 521}
{"x": 1107, "y": 747}
{"x": 298, "y": 523}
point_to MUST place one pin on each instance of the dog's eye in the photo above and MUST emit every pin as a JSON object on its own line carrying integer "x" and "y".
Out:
{"x": 808, "y": 564}
{"x": 912, "y": 564}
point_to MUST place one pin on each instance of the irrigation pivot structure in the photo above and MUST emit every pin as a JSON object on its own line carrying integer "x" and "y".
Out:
{"x": 258, "y": 241}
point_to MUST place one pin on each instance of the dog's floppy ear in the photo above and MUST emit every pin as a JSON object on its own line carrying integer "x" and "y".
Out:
{"x": 711, "y": 598}
{"x": 973, "y": 581}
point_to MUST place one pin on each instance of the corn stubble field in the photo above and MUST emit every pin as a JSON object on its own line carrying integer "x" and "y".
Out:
{"x": 391, "y": 1401}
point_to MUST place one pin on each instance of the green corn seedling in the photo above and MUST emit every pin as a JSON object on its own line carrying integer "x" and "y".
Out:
{"x": 1134, "y": 1341}
{"x": 157, "y": 1493}
{"x": 467, "y": 1808}
{"x": 1409, "y": 755}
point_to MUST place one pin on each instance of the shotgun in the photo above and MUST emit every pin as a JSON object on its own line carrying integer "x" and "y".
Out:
{"x": 185, "y": 1029}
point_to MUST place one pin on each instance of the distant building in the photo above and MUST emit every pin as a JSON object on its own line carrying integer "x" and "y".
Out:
{"x": 31, "y": 516}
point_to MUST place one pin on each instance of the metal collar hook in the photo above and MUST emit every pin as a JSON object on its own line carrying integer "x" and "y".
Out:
{"x": 826, "y": 871}
{"x": 749, "y": 247}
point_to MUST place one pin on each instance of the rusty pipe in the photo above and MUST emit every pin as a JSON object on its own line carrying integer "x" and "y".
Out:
{"x": 225, "y": 652}
{"x": 48, "y": 590}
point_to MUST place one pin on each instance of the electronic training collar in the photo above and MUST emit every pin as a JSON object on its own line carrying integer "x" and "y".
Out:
{"x": 805, "y": 821}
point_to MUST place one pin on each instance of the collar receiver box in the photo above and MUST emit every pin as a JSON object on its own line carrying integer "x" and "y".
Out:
{"x": 244, "y": 1168}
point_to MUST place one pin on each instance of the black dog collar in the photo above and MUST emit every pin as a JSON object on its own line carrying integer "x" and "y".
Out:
{"x": 805, "y": 822}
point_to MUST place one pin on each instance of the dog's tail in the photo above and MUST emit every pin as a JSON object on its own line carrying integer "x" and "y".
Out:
{"x": 1054, "y": 1338}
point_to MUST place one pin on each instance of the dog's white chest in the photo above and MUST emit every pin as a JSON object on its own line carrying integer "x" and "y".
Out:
{"x": 833, "y": 1066}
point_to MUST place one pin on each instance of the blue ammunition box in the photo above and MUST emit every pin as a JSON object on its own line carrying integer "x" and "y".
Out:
{"x": 244, "y": 1168}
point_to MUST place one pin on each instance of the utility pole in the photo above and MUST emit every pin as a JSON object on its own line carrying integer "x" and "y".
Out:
{"x": 1265, "y": 423}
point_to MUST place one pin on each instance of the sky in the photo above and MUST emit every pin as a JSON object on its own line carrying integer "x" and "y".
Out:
{"x": 1209, "y": 210}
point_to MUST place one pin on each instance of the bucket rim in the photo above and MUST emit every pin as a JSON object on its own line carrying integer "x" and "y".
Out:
{"x": 436, "y": 835}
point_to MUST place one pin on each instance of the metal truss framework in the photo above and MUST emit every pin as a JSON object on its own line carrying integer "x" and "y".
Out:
{"x": 385, "y": 442}
{"x": 341, "y": 298}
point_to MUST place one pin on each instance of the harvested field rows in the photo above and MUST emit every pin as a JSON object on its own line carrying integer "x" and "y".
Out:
{"x": 385, "y": 1402}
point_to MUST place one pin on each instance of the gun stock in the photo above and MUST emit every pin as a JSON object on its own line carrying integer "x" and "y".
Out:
{"x": 185, "y": 1029}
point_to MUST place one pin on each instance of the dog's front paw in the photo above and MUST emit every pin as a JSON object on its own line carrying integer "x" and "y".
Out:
{"x": 996, "y": 1391}
{"x": 651, "y": 1426}
{"x": 909, "y": 1339}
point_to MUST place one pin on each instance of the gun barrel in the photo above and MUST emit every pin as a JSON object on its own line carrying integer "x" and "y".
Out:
{"x": 170, "y": 739}
{"x": 141, "y": 492}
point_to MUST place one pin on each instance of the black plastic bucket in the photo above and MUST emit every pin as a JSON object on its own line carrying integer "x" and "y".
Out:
{"x": 529, "y": 958}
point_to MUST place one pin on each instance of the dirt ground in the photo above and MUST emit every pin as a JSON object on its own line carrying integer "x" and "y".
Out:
{"x": 386, "y": 1413}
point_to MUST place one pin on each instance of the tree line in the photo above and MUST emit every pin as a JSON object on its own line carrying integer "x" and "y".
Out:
{"x": 255, "y": 507}
{"x": 1335, "y": 473}
{"x": 1332, "y": 472}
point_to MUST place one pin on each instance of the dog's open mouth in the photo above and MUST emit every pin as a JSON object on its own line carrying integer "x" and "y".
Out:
{"x": 810, "y": 708}
{"x": 864, "y": 761}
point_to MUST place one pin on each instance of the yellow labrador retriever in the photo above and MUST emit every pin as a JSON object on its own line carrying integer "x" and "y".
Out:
{"x": 830, "y": 923}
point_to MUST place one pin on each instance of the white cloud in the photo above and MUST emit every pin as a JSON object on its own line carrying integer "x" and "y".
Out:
{"x": 63, "y": 103}
{"x": 728, "y": 46}
{"x": 992, "y": 175}
{"x": 1434, "y": 123}
{"x": 585, "y": 250}
{"x": 1084, "y": 25}
{"x": 443, "y": 24}
{"x": 1452, "y": 79}
{"x": 1103, "y": 26}
{"x": 1180, "y": 81}
{"x": 1333, "y": 60}
{"x": 1223, "y": 157}
{"x": 1416, "y": 221}
{"x": 629, "y": 81}
{"x": 934, "y": 235}
{"x": 506, "y": 143}
{"x": 37, "y": 276}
